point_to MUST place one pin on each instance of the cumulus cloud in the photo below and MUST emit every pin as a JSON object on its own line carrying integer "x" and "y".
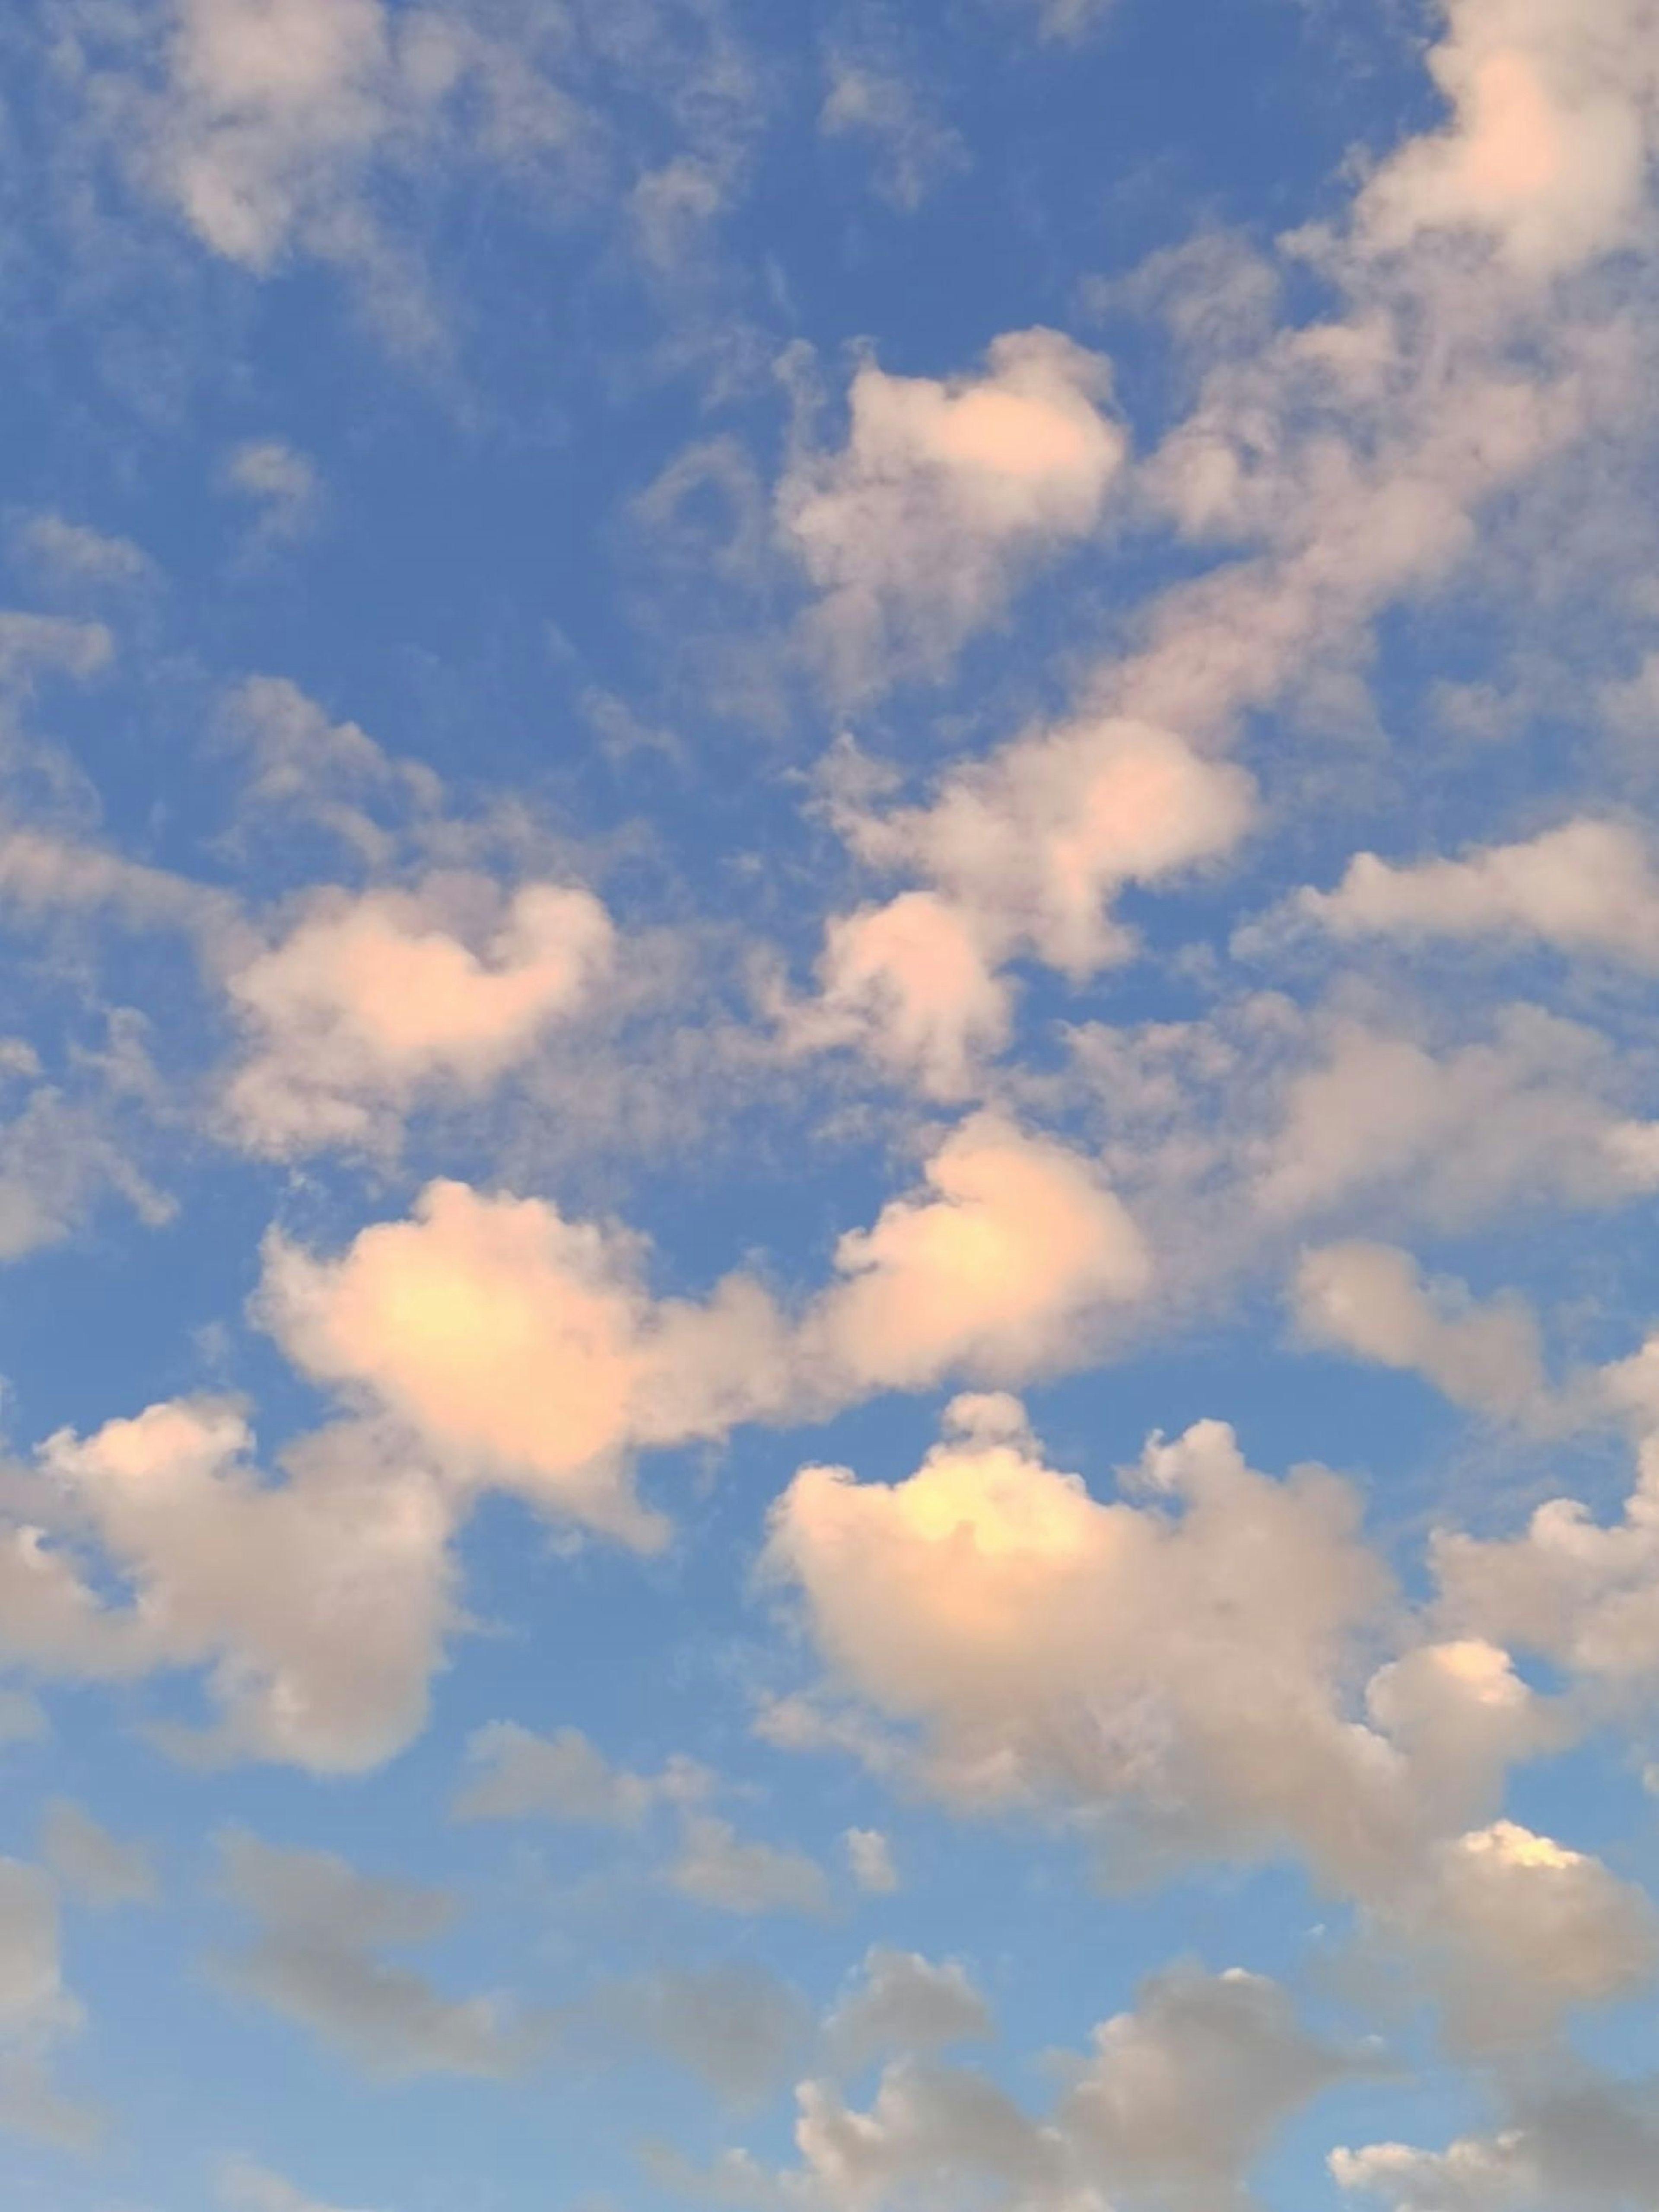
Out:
{"x": 1371, "y": 1300}
{"x": 1545, "y": 155}
{"x": 870, "y": 1856}
{"x": 995, "y": 1270}
{"x": 317, "y": 1606}
{"x": 518, "y": 1775}
{"x": 1587, "y": 887}
{"x": 526, "y": 1347}
{"x": 902, "y": 2001}
{"x": 318, "y": 1959}
{"x": 1532, "y": 1108}
{"x": 302, "y": 765}
{"x": 1584, "y": 2145}
{"x": 1517, "y": 1931}
{"x": 1172, "y": 2108}
{"x": 730, "y": 1873}
{"x": 733, "y": 2026}
{"x": 917, "y": 531}
{"x": 369, "y": 1000}
{"x": 1041, "y": 1643}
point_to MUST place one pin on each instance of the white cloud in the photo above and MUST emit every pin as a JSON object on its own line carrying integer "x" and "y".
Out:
{"x": 946, "y": 491}
{"x": 718, "y": 1868}
{"x": 902, "y": 2001}
{"x": 526, "y": 1348}
{"x": 1575, "y": 2143}
{"x": 318, "y": 1606}
{"x": 1517, "y": 1931}
{"x": 318, "y": 1959}
{"x": 1042, "y": 1644}
{"x": 1554, "y": 104}
{"x": 998, "y": 1269}
{"x": 870, "y": 1858}
{"x": 1371, "y": 1300}
{"x": 280, "y": 482}
{"x": 912, "y": 152}
{"x": 371, "y": 999}
{"x": 1587, "y": 887}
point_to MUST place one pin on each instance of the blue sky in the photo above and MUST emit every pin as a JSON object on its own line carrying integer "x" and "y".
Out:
{"x": 828, "y": 1111}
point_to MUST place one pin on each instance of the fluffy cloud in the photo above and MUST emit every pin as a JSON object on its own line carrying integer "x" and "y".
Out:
{"x": 902, "y": 2001}
{"x": 1587, "y": 887}
{"x": 371, "y": 998}
{"x": 1554, "y": 104}
{"x": 916, "y": 531}
{"x": 1577, "y": 2146}
{"x": 1371, "y": 1300}
{"x": 526, "y": 1348}
{"x": 995, "y": 1271}
{"x": 910, "y": 984}
{"x": 870, "y": 1856}
{"x": 1534, "y": 1109}
{"x": 318, "y": 1959}
{"x": 1516, "y": 1931}
{"x": 1039, "y": 1640}
{"x": 718, "y": 1868}
{"x": 1036, "y": 843}
{"x": 318, "y": 1605}
{"x": 1581, "y": 1593}
{"x": 1175, "y": 2103}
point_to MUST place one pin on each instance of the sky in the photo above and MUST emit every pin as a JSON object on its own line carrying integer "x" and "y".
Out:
{"x": 828, "y": 1106}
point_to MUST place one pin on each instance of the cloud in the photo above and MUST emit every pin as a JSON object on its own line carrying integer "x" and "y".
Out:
{"x": 733, "y": 2026}
{"x": 909, "y": 984}
{"x": 902, "y": 2001}
{"x": 1182, "y": 2096}
{"x": 90, "y": 1863}
{"x": 246, "y": 2187}
{"x": 73, "y": 553}
{"x": 1370, "y": 1300}
{"x": 945, "y": 493}
{"x": 1175, "y": 2103}
{"x": 37, "y": 2015}
{"x": 1516, "y": 1931}
{"x": 997, "y": 1270}
{"x": 1583, "y": 1593}
{"x": 718, "y": 1868}
{"x": 1042, "y": 1645}
{"x": 1544, "y": 156}
{"x": 526, "y": 1348}
{"x": 912, "y": 152}
{"x": 318, "y": 1605}
{"x": 1530, "y": 1109}
{"x": 1582, "y": 2145}
{"x": 282, "y": 483}
{"x": 1024, "y": 853}
{"x": 520, "y": 1776}
{"x": 1587, "y": 887}
{"x": 870, "y": 1858}
{"x": 317, "y": 1959}
{"x": 372, "y": 1000}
